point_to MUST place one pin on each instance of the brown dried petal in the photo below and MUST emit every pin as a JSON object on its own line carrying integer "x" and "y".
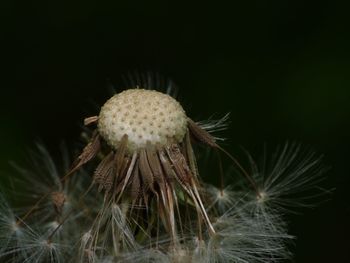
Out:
{"x": 201, "y": 135}
{"x": 169, "y": 172}
{"x": 191, "y": 159}
{"x": 120, "y": 154}
{"x": 179, "y": 163}
{"x": 104, "y": 173}
{"x": 135, "y": 183}
{"x": 146, "y": 172}
{"x": 155, "y": 165}
{"x": 89, "y": 152}
{"x": 90, "y": 120}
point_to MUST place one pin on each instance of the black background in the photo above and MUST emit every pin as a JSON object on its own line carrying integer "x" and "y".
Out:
{"x": 280, "y": 67}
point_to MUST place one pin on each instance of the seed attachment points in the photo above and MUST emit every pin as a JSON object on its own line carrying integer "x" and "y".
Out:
{"x": 145, "y": 116}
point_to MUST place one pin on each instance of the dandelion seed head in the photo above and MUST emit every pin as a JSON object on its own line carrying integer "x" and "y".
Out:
{"x": 154, "y": 207}
{"x": 144, "y": 116}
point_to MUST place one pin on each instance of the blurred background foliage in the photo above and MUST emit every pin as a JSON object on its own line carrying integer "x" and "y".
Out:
{"x": 280, "y": 67}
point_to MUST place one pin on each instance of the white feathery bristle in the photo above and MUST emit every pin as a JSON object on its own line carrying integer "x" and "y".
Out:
{"x": 21, "y": 243}
{"x": 221, "y": 199}
{"x": 241, "y": 238}
{"x": 147, "y": 255}
{"x": 10, "y": 231}
{"x": 110, "y": 234}
{"x": 213, "y": 126}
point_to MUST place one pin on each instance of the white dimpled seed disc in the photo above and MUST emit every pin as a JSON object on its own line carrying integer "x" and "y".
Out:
{"x": 145, "y": 116}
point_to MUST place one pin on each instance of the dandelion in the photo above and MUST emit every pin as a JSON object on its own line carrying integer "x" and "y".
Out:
{"x": 149, "y": 161}
{"x": 134, "y": 193}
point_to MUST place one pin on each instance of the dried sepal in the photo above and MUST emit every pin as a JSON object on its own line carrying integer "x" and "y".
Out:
{"x": 180, "y": 166}
{"x": 90, "y": 120}
{"x": 120, "y": 154}
{"x": 105, "y": 172}
{"x": 145, "y": 170}
{"x": 200, "y": 134}
{"x": 135, "y": 188}
{"x": 130, "y": 167}
{"x": 88, "y": 153}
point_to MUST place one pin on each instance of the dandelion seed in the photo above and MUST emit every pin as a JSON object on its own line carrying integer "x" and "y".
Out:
{"x": 288, "y": 179}
{"x": 222, "y": 199}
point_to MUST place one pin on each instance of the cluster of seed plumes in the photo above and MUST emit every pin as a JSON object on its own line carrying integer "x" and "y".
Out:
{"x": 141, "y": 198}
